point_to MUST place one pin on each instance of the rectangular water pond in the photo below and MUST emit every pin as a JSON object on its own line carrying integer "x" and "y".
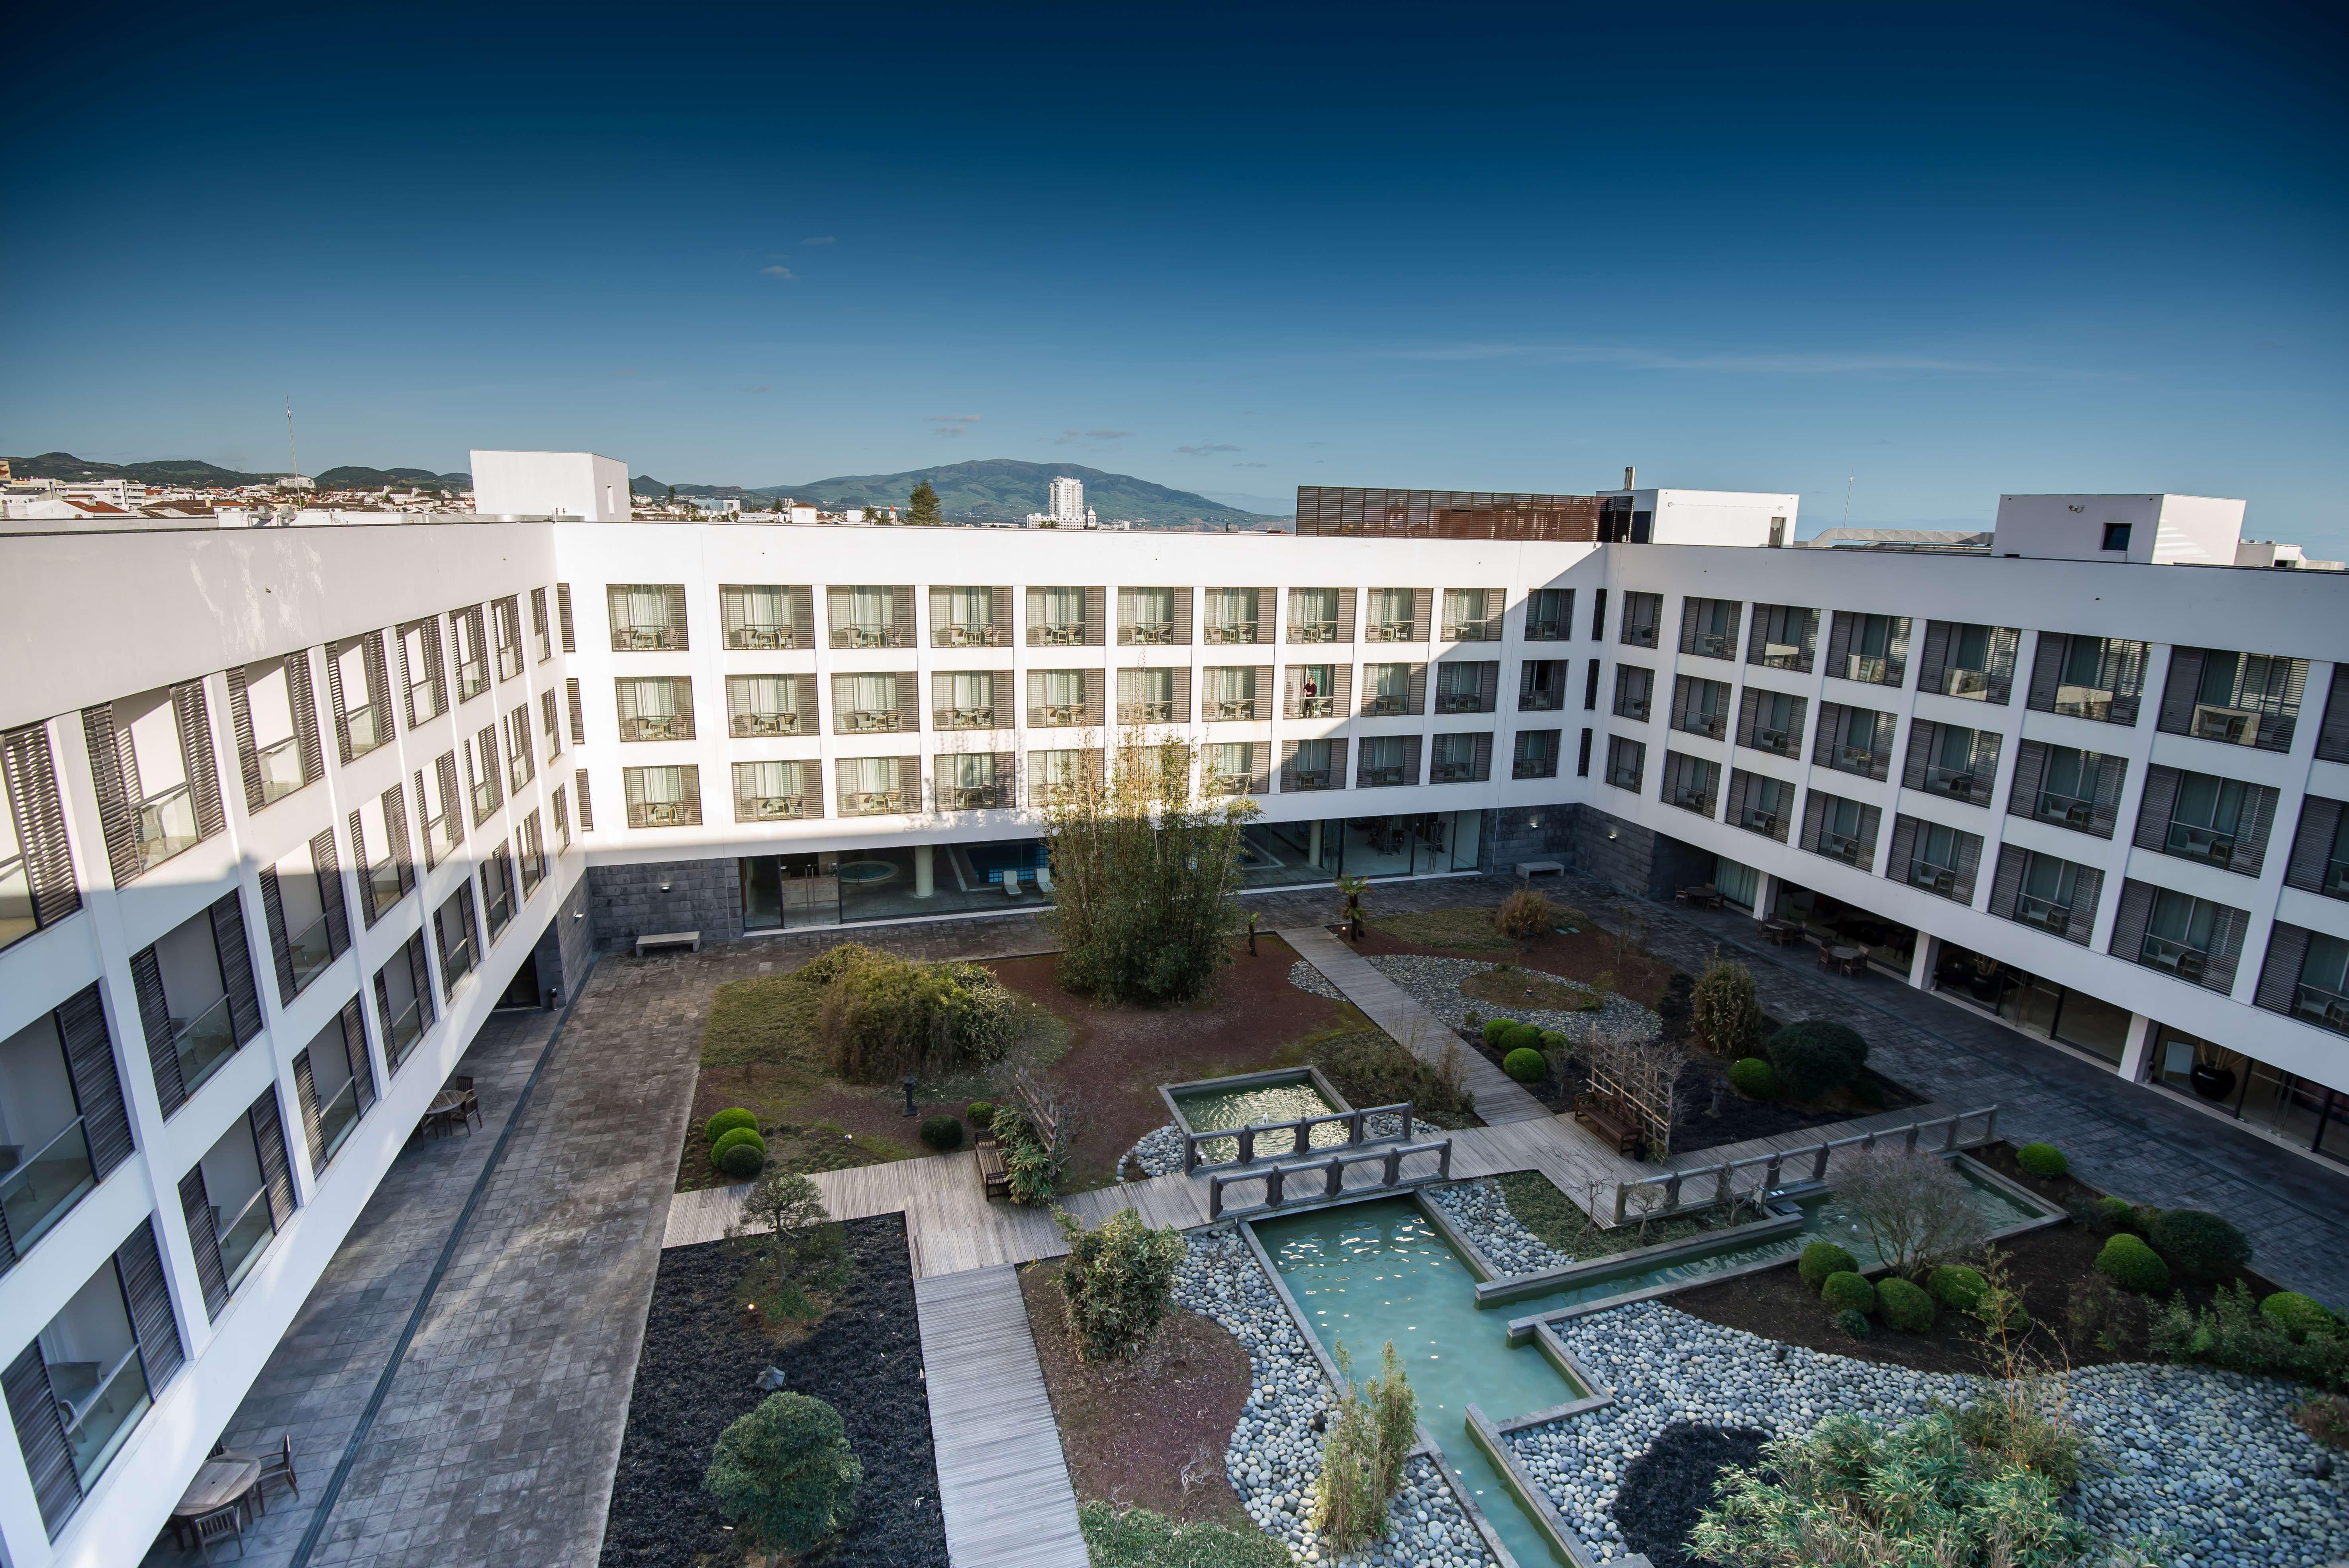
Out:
{"x": 1257, "y": 1100}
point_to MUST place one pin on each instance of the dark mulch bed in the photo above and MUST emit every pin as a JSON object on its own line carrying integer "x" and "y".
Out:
{"x": 1132, "y": 1428}
{"x": 697, "y": 1374}
{"x": 1582, "y": 957}
{"x": 2067, "y": 1192}
{"x": 1666, "y": 1488}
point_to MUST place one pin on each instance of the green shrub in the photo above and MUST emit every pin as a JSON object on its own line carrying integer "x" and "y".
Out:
{"x": 1115, "y": 1282}
{"x": 1816, "y": 1057}
{"x": 942, "y": 1133}
{"x": 1371, "y": 1435}
{"x": 786, "y": 1473}
{"x": 1525, "y": 1066}
{"x": 2197, "y": 1244}
{"x": 1755, "y": 1079}
{"x": 1852, "y": 1321}
{"x": 1034, "y": 1170}
{"x": 885, "y": 1016}
{"x": 1555, "y": 1043}
{"x": 1723, "y": 1006}
{"x": 1522, "y": 1038}
{"x": 1904, "y": 1306}
{"x": 2234, "y": 1332}
{"x": 725, "y": 1121}
{"x": 2299, "y": 1315}
{"x": 1846, "y": 1288}
{"x": 1370, "y": 1068}
{"x": 733, "y": 1136}
{"x": 2044, "y": 1159}
{"x": 1821, "y": 1259}
{"x": 2109, "y": 1214}
{"x": 2142, "y": 1216}
{"x": 2129, "y": 1263}
{"x": 1956, "y": 1286}
{"x": 1524, "y": 915}
{"x": 980, "y": 1112}
{"x": 1496, "y": 1030}
{"x": 740, "y": 1160}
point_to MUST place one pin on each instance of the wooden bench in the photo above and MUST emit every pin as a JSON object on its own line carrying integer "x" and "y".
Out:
{"x": 689, "y": 940}
{"x": 1598, "y": 1119}
{"x": 994, "y": 1176}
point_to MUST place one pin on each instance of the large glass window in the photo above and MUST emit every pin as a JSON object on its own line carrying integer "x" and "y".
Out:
{"x": 659, "y": 708}
{"x": 762, "y": 704}
{"x": 2204, "y": 818}
{"x": 1231, "y": 692}
{"x": 965, "y": 699}
{"x": 2323, "y": 996}
{"x": 663, "y": 797}
{"x": 1386, "y": 689}
{"x": 1390, "y": 617}
{"x": 758, "y": 616}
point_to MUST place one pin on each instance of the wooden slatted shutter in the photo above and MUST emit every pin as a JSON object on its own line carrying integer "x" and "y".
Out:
{"x": 367, "y": 910}
{"x": 673, "y": 602}
{"x": 2276, "y": 731}
{"x": 1815, "y": 813}
{"x": 2030, "y": 767}
{"x": 1738, "y": 782}
{"x": 97, "y": 1086}
{"x": 465, "y": 894}
{"x": 2087, "y": 886}
{"x": 1184, "y": 612}
{"x": 1338, "y": 774}
{"x": 808, "y": 715}
{"x": 2128, "y": 686}
{"x": 586, "y": 804}
{"x": 2258, "y": 822}
{"x": 1096, "y": 617}
{"x": 2332, "y": 731}
{"x": 355, "y": 1048}
{"x": 155, "y": 1023}
{"x": 1287, "y": 766}
{"x": 2129, "y": 921}
{"x": 2182, "y": 690}
{"x": 281, "y": 946}
{"x": 1970, "y": 847}
{"x": 306, "y": 1095}
{"x": 999, "y": 612}
{"x": 1341, "y": 688}
{"x": 144, "y": 1291}
{"x": 452, "y": 797}
{"x": 269, "y": 1147}
{"x": 2105, "y": 811}
{"x": 2312, "y": 846}
{"x": 578, "y": 712}
{"x": 39, "y": 815}
{"x": 2006, "y": 882}
{"x": 420, "y": 979}
{"x": 194, "y": 720}
{"x": 538, "y": 616}
{"x": 1347, "y": 612}
{"x": 431, "y": 630}
{"x": 1480, "y": 763}
{"x": 1182, "y": 694}
{"x": 1823, "y": 743}
{"x": 802, "y": 615}
{"x": 562, "y": 617}
{"x": 1414, "y": 701}
{"x": 1921, "y": 736}
{"x": 2226, "y": 949}
{"x": 116, "y": 787}
{"x": 2279, "y": 984}
{"x": 378, "y": 680}
{"x": 902, "y": 631}
{"x": 1934, "y": 656}
{"x": 203, "y": 1235}
{"x": 395, "y": 827}
{"x": 1896, "y": 651}
{"x": 909, "y": 702}
{"x": 2153, "y": 811}
{"x": 330, "y": 893}
{"x": 1840, "y": 640}
{"x": 1904, "y": 848}
{"x": 1422, "y": 615}
{"x": 1986, "y": 748}
{"x": 1412, "y": 771}
{"x": 1488, "y": 684}
{"x": 248, "y": 751}
{"x": 1749, "y": 712}
{"x": 2047, "y": 670}
{"x": 236, "y": 965}
{"x": 41, "y": 1437}
{"x": 299, "y": 687}
{"x": 485, "y": 757}
{"x": 2005, "y": 643}
{"x": 1870, "y": 819}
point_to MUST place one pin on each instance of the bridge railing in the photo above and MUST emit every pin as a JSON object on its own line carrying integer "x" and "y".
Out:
{"x": 1280, "y": 1139}
{"x": 1706, "y": 1186}
{"x": 1315, "y": 1180}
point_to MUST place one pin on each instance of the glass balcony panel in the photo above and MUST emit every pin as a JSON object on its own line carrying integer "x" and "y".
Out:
{"x": 1375, "y": 706}
{"x": 167, "y": 826}
{"x": 1639, "y": 636}
{"x": 39, "y": 1187}
{"x": 1713, "y": 645}
{"x": 383, "y": 880}
{"x": 102, "y": 1406}
{"x": 2336, "y": 878}
{"x": 1634, "y": 707}
{"x": 760, "y": 638}
{"x": 661, "y": 726}
{"x": 1842, "y": 847}
{"x": 472, "y": 679}
{"x": 202, "y": 1043}
{"x": 2084, "y": 701}
{"x": 1454, "y": 772}
{"x": 1394, "y": 631}
{"x": 310, "y": 951}
{"x": 1381, "y": 775}
{"x": 337, "y": 1117}
{"x": 2326, "y": 1009}
{"x": 1869, "y": 667}
{"x": 1761, "y": 821}
{"x": 1058, "y": 633}
{"x": 1465, "y": 631}
{"x": 1855, "y": 758}
{"x": 17, "y": 918}
{"x": 2172, "y": 958}
{"x": 369, "y": 727}
{"x": 1973, "y": 684}
{"x": 1312, "y": 778}
{"x": 1313, "y": 631}
{"x": 2205, "y": 844}
{"x": 2068, "y": 810}
{"x": 771, "y": 808}
{"x": 873, "y": 802}
{"x": 485, "y": 800}
{"x": 404, "y": 1031}
{"x": 1153, "y": 632}
{"x": 1231, "y": 708}
{"x": 1313, "y": 708}
{"x": 441, "y": 837}
{"x": 1232, "y": 631}
{"x": 752, "y": 725}
{"x": 1459, "y": 702}
{"x": 1228, "y": 783}
{"x": 1777, "y": 740}
{"x": 244, "y": 1235}
{"x": 281, "y": 769}
{"x": 1145, "y": 713}
{"x": 643, "y": 639}
{"x": 2231, "y": 725}
{"x": 1924, "y": 874}
{"x": 1696, "y": 723}
{"x": 659, "y": 814}
{"x": 968, "y": 635}
{"x": 509, "y": 661}
{"x": 1957, "y": 784}
{"x": 867, "y": 720}
{"x": 2053, "y": 918}
{"x": 1781, "y": 656}
{"x": 1622, "y": 778}
{"x": 965, "y": 717}
{"x": 1690, "y": 799}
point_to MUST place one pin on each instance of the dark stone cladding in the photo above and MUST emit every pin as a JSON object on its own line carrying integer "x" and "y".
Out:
{"x": 627, "y": 902}
{"x": 566, "y": 946}
{"x": 1517, "y": 834}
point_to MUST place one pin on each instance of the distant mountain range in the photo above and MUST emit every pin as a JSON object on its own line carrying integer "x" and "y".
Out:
{"x": 188, "y": 472}
{"x": 994, "y": 490}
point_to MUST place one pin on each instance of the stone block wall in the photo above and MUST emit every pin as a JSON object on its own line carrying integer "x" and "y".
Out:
{"x": 627, "y": 902}
{"x": 566, "y": 946}
{"x": 1633, "y": 858}
{"x": 1522, "y": 833}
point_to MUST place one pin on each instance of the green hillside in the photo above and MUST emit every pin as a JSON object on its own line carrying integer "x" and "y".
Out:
{"x": 375, "y": 478}
{"x": 200, "y": 475}
{"x": 1005, "y": 489}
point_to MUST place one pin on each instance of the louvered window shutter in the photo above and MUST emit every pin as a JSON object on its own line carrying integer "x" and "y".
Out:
{"x": 145, "y": 1292}
{"x": 909, "y": 701}
{"x": 439, "y": 666}
{"x": 355, "y": 1047}
{"x": 420, "y": 979}
{"x": 1881, "y": 747}
{"x": 587, "y": 804}
{"x": 2087, "y": 884}
{"x": 2048, "y": 669}
{"x": 1488, "y": 684}
{"x": 236, "y": 965}
{"x": 465, "y": 900}
{"x": 2226, "y": 949}
{"x": 39, "y": 815}
{"x": 999, "y": 612}
{"x": 1839, "y": 641}
{"x": 2276, "y": 731}
{"x": 1287, "y": 766}
{"x": 1096, "y": 617}
{"x": 1182, "y": 694}
{"x": 2279, "y": 984}
{"x": 2105, "y": 811}
{"x": 673, "y": 595}
{"x": 2257, "y": 822}
{"x": 1969, "y": 847}
{"x": 452, "y": 799}
{"x": 902, "y": 632}
{"x": 155, "y": 1022}
{"x": 394, "y": 827}
{"x": 306, "y": 1095}
{"x": 2153, "y": 811}
{"x": 272, "y": 912}
{"x": 196, "y": 1208}
{"x": 1933, "y": 655}
{"x": 1749, "y": 709}
{"x": 562, "y": 617}
{"x": 1737, "y": 786}
{"x": 2030, "y": 766}
{"x": 2128, "y": 924}
{"x": 1184, "y": 611}
{"x": 1870, "y": 819}
{"x": 248, "y": 751}
{"x": 2332, "y": 731}
{"x": 2005, "y": 642}
{"x": 2128, "y": 683}
{"x": 1423, "y": 613}
{"x": 367, "y": 910}
{"x": 578, "y": 712}
{"x": 2312, "y": 846}
{"x": 190, "y": 713}
{"x": 115, "y": 793}
{"x": 1921, "y": 736}
{"x": 1895, "y": 660}
{"x": 2182, "y": 690}
{"x": 802, "y": 615}
{"x": 2006, "y": 882}
{"x": 1412, "y": 771}
{"x": 269, "y": 1147}
{"x": 1904, "y": 848}
{"x": 1481, "y": 763}
{"x": 330, "y": 893}
{"x": 97, "y": 1086}
{"x": 41, "y": 1437}
{"x": 1414, "y": 700}
{"x": 1830, "y": 726}
{"x": 299, "y": 687}
{"x": 378, "y": 680}
{"x": 1815, "y": 812}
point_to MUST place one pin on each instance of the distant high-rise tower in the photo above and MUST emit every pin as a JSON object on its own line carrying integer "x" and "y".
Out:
{"x": 1068, "y": 504}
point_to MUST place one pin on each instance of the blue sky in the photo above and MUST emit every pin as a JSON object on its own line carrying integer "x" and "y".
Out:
{"x": 1234, "y": 249}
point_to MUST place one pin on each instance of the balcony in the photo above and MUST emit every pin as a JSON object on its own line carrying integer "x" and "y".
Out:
{"x": 1689, "y": 798}
{"x": 1377, "y": 778}
{"x": 280, "y": 769}
{"x": 1714, "y": 645}
{"x": 1455, "y": 772}
{"x": 1957, "y": 784}
{"x": 1757, "y": 820}
{"x": 16, "y": 919}
{"x": 1545, "y": 631}
{"x": 1785, "y": 743}
{"x": 755, "y": 725}
{"x": 771, "y": 807}
{"x": 1622, "y": 778}
{"x": 99, "y": 1405}
{"x": 975, "y": 717}
{"x": 1392, "y": 632}
{"x": 1925, "y": 874}
{"x": 1384, "y": 704}
{"x": 472, "y": 678}
{"x": 1059, "y": 714}
{"x": 870, "y": 720}
{"x": 1856, "y": 758}
{"x": 1974, "y": 684}
{"x": 1697, "y": 722}
{"x": 1459, "y": 702}
{"x": 661, "y": 814}
{"x": 1638, "y": 635}
{"x": 2233, "y": 725}
{"x": 442, "y": 834}
{"x": 1540, "y": 701}
{"x": 1309, "y": 779}
{"x": 1151, "y": 634}
{"x": 1313, "y": 708}
{"x": 202, "y": 1043}
{"x": 2173, "y": 958}
{"x": 1228, "y": 783}
{"x": 1547, "y": 768}
{"x": 2064, "y": 810}
{"x": 663, "y": 727}
{"x": 2205, "y": 844}
{"x": 2084, "y": 702}
{"x": 1633, "y": 708}
{"x": 1782, "y": 656}
{"x": 872, "y": 802}
{"x": 2326, "y": 1009}
{"x": 2055, "y": 919}
{"x": 968, "y": 637}
{"x": 517, "y": 773}
{"x": 310, "y": 951}
{"x": 762, "y": 639}
{"x": 1872, "y": 668}
{"x": 244, "y": 1235}
{"x": 2336, "y": 879}
{"x": 167, "y": 825}
{"x": 400, "y": 1037}
{"x": 35, "y": 1189}
{"x": 1231, "y": 709}
{"x": 499, "y": 907}
{"x": 509, "y": 661}
{"x": 485, "y": 798}
{"x": 1843, "y": 847}
{"x": 1145, "y": 712}
{"x": 864, "y": 635}
{"x": 1232, "y": 631}
{"x": 1057, "y": 634}
{"x": 337, "y": 1117}
{"x": 969, "y": 797}
{"x": 1468, "y": 631}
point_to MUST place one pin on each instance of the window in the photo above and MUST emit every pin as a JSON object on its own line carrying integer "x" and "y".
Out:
{"x": 1472, "y": 614}
{"x": 1854, "y": 739}
{"x": 965, "y": 618}
{"x": 562, "y": 617}
{"x": 1960, "y": 763}
{"x": 1768, "y": 805}
{"x": 1776, "y": 726}
{"x": 497, "y": 890}
{"x": 1550, "y": 614}
{"x": 1582, "y": 759}
{"x": 562, "y": 810}
{"x": 421, "y": 677}
{"x": 275, "y": 728}
{"x": 871, "y": 785}
{"x": 1975, "y": 662}
{"x": 1392, "y": 617}
{"x": 2068, "y": 788}
{"x": 538, "y": 625}
{"x": 1541, "y": 685}
{"x": 1460, "y": 759}
{"x": 403, "y": 1000}
{"x": 2321, "y": 995}
{"x": 1232, "y": 616}
{"x": 2049, "y": 888}
{"x": 867, "y": 704}
{"x": 759, "y": 705}
{"x": 481, "y": 773}
{"x": 1690, "y": 782}
{"x": 458, "y": 937}
{"x": 1386, "y": 690}
{"x": 759, "y": 617}
{"x": 969, "y": 781}
{"x": 444, "y": 823}
{"x": 506, "y": 621}
{"x": 1709, "y": 627}
{"x": 1228, "y": 768}
{"x": 1312, "y": 691}
{"x": 1875, "y": 648}
{"x": 663, "y": 797}
{"x": 235, "y": 1199}
{"x": 1146, "y": 696}
{"x": 1700, "y": 707}
{"x": 1231, "y": 692}
{"x": 95, "y": 1369}
{"x": 2179, "y": 932}
{"x": 380, "y": 843}
{"x": 1466, "y": 686}
{"x": 656, "y": 708}
{"x": 549, "y": 725}
{"x": 2236, "y": 699}
{"x": 356, "y": 681}
{"x": 587, "y": 801}
{"x": 646, "y": 617}
{"x": 1386, "y": 761}
{"x": 2088, "y": 677}
{"x": 1057, "y": 775}
{"x": 1146, "y": 616}
{"x": 1057, "y": 698}
{"x": 2206, "y": 818}
{"x": 467, "y": 633}
{"x": 1844, "y": 830}
{"x": 1534, "y": 754}
{"x": 521, "y": 769}
{"x": 1315, "y": 766}
{"x": 2117, "y": 536}
{"x": 532, "y": 859}
{"x": 1633, "y": 689}
{"x": 1314, "y": 616}
{"x": 1590, "y": 687}
{"x": 36, "y": 873}
{"x": 1058, "y": 618}
{"x": 301, "y": 897}
{"x": 1641, "y": 611}
{"x": 1785, "y": 636}
{"x": 1933, "y": 863}
{"x": 776, "y": 791}
{"x": 53, "y": 1132}
{"x": 151, "y": 761}
{"x": 965, "y": 699}
{"x": 1626, "y": 761}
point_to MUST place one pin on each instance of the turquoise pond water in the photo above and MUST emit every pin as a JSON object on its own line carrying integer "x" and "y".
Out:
{"x": 1212, "y": 1109}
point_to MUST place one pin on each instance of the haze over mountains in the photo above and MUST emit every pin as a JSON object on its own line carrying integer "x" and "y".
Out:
{"x": 198, "y": 475}
{"x": 996, "y": 490}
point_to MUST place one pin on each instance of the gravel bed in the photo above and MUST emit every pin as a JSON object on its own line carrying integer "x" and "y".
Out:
{"x": 2192, "y": 1448}
{"x": 1484, "y": 1216}
{"x": 1434, "y": 984}
{"x": 1159, "y": 1152}
{"x": 1274, "y": 1455}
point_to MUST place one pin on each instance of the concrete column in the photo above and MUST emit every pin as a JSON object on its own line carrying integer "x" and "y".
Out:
{"x": 2136, "y": 1064}
{"x": 1920, "y": 967}
{"x": 1313, "y": 842}
{"x": 924, "y": 875}
{"x": 1765, "y": 893}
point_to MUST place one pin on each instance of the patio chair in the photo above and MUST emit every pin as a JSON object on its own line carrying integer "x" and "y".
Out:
{"x": 1011, "y": 881}
{"x": 277, "y": 1469}
{"x": 223, "y": 1524}
{"x": 1044, "y": 878}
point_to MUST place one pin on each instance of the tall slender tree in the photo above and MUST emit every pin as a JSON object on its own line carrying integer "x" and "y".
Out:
{"x": 922, "y": 507}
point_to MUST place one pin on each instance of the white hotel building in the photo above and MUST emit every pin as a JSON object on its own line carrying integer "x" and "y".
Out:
{"x": 292, "y": 809}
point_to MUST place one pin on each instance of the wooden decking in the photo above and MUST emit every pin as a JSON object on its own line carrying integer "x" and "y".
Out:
{"x": 1003, "y": 1483}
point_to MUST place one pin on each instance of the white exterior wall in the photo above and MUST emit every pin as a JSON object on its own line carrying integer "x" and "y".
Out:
{"x": 550, "y": 484}
{"x": 2163, "y": 529}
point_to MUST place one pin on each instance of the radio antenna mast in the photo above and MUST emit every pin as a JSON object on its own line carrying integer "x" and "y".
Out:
{"x": 289, "y": 434}
{"x": 1849, "y": 480}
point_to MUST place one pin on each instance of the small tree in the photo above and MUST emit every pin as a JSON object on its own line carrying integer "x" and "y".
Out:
{"x": 1115, "y": 1284}
{"x": 786, "y": 1211}
{"x": 1726, "y": 1010}
{"x": 1372, "y": 1432}
{"x": 786, "y": 1473}
{"x": 922, "y": 507}
{"x": 1353, "y": 888}
{"x": 1915, "y": 1209}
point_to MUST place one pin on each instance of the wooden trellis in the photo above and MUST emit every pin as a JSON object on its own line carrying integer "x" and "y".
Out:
{"x": 1635, "y": 1083}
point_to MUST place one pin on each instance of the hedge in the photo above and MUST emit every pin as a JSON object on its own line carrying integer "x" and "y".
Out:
{"x": 1956, "y": 1286}
{"x": 1821, "y": 1259}
{"x": 1755, "y": 1079}
{"x": 1816, "y": 1056}
{"x": 2129, "y": 1263}
{"x": 2197, "y": 1244}
{"x": 1525, "y": 1066}
{"x": 737, "y": 1135}
{"x": 942, "y": 1133}
{"x": 1904, "y": 1306}
{"x": 1848, "y": 1290}
{"x": 2044, "y": 1159}
{"x": 725, "y": 1121}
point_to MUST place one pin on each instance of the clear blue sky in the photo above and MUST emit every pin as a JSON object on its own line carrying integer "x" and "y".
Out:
{"x": 1947, "y": 252}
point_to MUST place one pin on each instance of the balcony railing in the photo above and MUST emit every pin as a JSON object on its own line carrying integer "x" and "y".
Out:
{"x": 2172, "y": 958}
{"x": 1059, "y": 714}
{"x": 101, "y": 1404}
{"x": 1698, "y": 722}
{"x": 1640, "y": 633}
{"x": 1232, "y": 631}
{"x": 1057, "y": 634}
{"x": 1539, "y": 701}
{"x": 1783, "y": 656}
{"x": 1228, "y": 783}
{"x": 1151, "y": 634}
{"x": 2065, "y": 810}
{"x": 2336, "y": 878}
{"x": 661, "y": 814}
{"x": 661, "y": 726}
{"x": 420, "y": 701}
{"x": 244, "y": 1235}
{"x": 984, "y": 634}
{"x": 1622, "y": 778}
{"x": 1956, "y": 783}
{"x": 1455, "y": 772}
{"x": 1873, "y": 668}
{"x": 456, "y": 958}
{"x": 1547, "y": 768}
{"x": 1545, "y": 631}
{"x": 1376, "y": 777}
{"x": 2049, "y": 916}
{"x": 1313, "y": 708}
{"x": 1393, "y": 631}
{"x": 2205, "y": 844}
{"x": 2326, "y": 1009}
{"x": 442, "y": 834}
{"x": 771, "y": 807}
{"x": 369, "y": 727}
{"x": 1714, "y": 645}
{"x": 1633, "y": 708}
{"x": 1313, "y": 631}
{"x": 404, "y": 1031}
{"x": 1856, "y": 758}
{"x": 980, "y": 716}
{"x": 167, "y": 825}
{"x": 1384, "y": 704}
{"x": 1757, "y": 820}
{"x": 1467, "y": 632}
{"x": 202, "y": 1043}
{"x": 762, "y": 638}
{"x": 864, "y": 635}
{"x": 2084, "y": 702}
{"x": 16, "y": 917}
{"x": 969, "y": 797}
{"x": 473, "y": 677}
{"x": 281, "y": 769}
{"x": 1689, "y": 797}
{"x": 1309, "y": 779}
{"x": 1230, "y": 709}
{"x": 498, "y": 909}
{"x": 1956, "y": 682}
{"x": 39, "y": 1187}
{"x": 1459, "y": 702}
{"x": 310, "y": 951}
{"x": 2233, "y": 726}
{"x": 1782, "y": 742}
{"x": 1924, "y": 874}
{"x": 337, "y": 1117}
{"x": 1842, "y": 847}
{"x": 485, "y": 799}
{"x": 509, "y": 660}
{"x": 870, "y": 720}
{"x": 1145, "y": 712}
{"x": 750, "y": 726}
{"x": 872, "y": 802}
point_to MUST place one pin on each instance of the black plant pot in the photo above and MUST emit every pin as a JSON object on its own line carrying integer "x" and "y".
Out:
{"x": 2211, "y": 1083}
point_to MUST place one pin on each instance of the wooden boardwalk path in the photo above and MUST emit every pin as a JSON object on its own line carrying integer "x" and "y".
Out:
{"x": 1003, "y": 1483}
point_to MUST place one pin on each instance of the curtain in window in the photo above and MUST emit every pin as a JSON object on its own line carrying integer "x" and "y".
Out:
{"x": 1843, "y": 817}
{"x": 1455, "y": 680}
{"x": 966, "y": 770}
{"x": 1060, "y": 768}
{"x": 1455, "y": 748}
{"x": 867, "y": 774}
{"x": 2326, "y": 964}
{"x": 970, "y": 607}
{"x": 1155, "y": 686}
{"x": 969, "y": 688}
{"x": 763, "y": 609}
{"x": 1230, "y": 757}
{"x": 2046, "y": 877}
{"x": 765, "y": 694}
{"x": 655, "y": 786}
{"x": 1312, "y": 757}
{"x": 1390, "y": 604}
{"x": 1231, "y": 683}
{"x": 2204, "y": 802}
{"x": 1314, "y": 680}
{"x": 1382, "y": 751}
{"x": 1956, "y": 750}
{"x": 766, "y": 780}
{"x": 638, "y": 607}
{"x": 2177, "y": 917}
{"x": 1313, "y": 606}
{"x": 870, "y": 693}
{"x": 649, "y": 699}
{"x": 1389, "y": 680}
{"x": 1064, "y": 688}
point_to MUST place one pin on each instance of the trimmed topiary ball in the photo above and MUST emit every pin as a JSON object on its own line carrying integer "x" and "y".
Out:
{"x": 2197, "y": 1244}
{"x": 2129, "y": 1263}
{"x": 1497, "y": 1030}
{"x": 2298, "y": 1315}
{"x": 1522, "y": 1038}
{"x": 1555, "y": 1040}
{"x": 942, "y": 1133}
{"x": 2042, "y": 1160}
{"x": 1956, "y": 1286}
{"x": 980, "y": 1112}
{"x": 734, "y": 1136}
{"x": 740, "y": 1160}
{"x": 1816, "y": 1056}
{"x": 1821, "y": 1259}
{"x": 786, "y": 1472}
{"x": 1525, "y": 1066}
{"x": 725, "y": 1121}
{"x": 1755, "y": 1079}
{"x": 1905, "y": 1306}
{"x": 2111, "y": 1214}
{"x": 1848, "y": 1289}
{"x": 1853, "y": 1322}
